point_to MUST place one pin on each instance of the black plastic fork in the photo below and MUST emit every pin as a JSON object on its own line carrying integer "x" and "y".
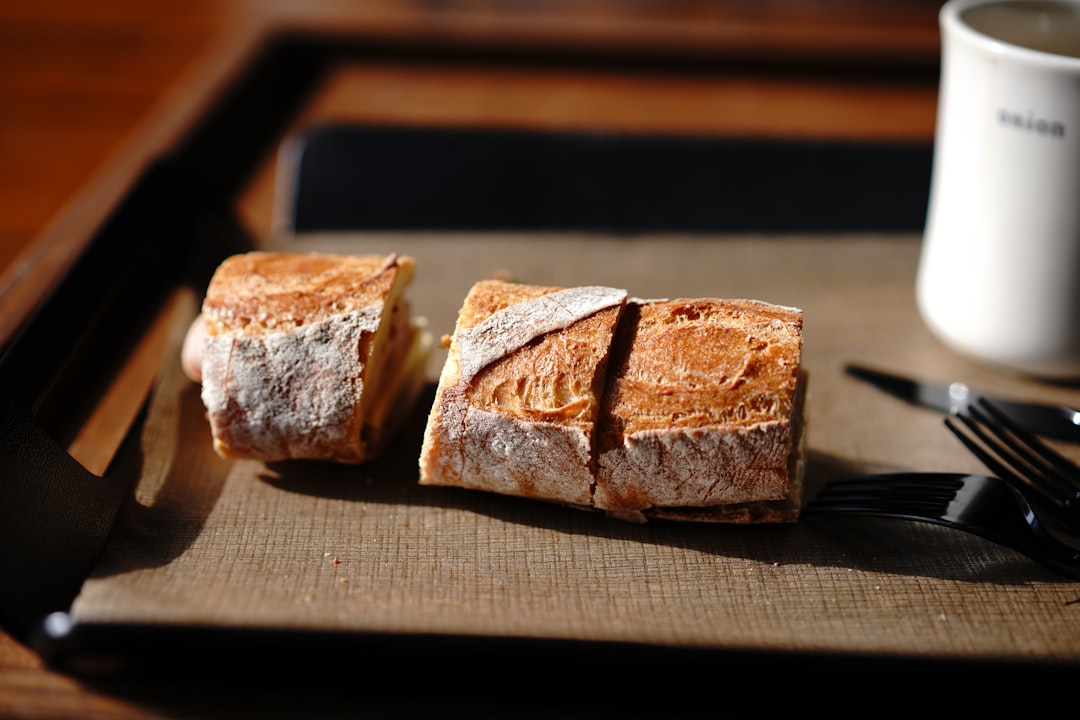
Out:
{"x": 978, "y": 504}
{"x": 1020, "y": 458}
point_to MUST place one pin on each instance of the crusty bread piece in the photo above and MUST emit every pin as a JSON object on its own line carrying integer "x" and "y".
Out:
{"x": 517, "y": 400}
{"x": 308, "y": 355}
{"x": 686, "y": 409}
{"x": 702, "y": 409}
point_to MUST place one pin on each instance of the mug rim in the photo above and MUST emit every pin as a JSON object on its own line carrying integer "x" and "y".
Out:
{"x": 951, "y": 20}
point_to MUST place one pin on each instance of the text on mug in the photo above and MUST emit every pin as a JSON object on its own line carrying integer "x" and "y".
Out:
{"x": 1031, "y": 123}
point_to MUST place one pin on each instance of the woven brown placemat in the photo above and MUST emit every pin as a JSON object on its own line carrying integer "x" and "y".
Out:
{"x": 301, "y": 545}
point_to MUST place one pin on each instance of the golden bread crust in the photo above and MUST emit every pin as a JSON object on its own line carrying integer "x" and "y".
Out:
{"x": 295, "y": 352}
{"x": 518, "y": 396}
{"x": 686, "y": 409}
{"x": 699, "y": 405}
{"x": 265, "y": 292}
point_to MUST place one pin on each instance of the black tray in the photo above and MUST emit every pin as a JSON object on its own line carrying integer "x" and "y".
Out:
{"x": 177, "y": 223}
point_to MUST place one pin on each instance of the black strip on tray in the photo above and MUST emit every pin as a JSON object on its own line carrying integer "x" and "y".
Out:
{"x": 356, "y": 177}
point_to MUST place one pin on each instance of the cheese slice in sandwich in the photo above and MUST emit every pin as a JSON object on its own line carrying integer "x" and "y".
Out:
{"x": 688, "y": 409}
{"x": 307, "y": 355}
{"x": 516, "y": 406}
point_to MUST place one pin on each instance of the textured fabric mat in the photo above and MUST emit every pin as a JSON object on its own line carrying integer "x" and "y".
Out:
{"x": 208, "y": 542}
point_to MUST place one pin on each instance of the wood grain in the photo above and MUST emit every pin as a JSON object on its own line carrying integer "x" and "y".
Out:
{"x": 82, "y": 81}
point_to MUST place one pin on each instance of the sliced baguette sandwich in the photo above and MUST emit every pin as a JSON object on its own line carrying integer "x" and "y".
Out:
{"x": 686, "y": 409}
{"x": 517, "y": 401}
{"x": 307, "y": 355}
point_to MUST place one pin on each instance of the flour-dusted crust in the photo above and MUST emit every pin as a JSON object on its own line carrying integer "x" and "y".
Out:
{"x": 516, "y": 405}
{"x": 687, "y": 409}
{"x": 510, "y": 328}
{"x": 302, "y": 354}
{"x": 701, "y": 406}
{"x": 294, "y": 394}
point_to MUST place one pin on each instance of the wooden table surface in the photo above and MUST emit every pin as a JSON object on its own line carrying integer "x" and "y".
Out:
{"x": 89, "y": 92}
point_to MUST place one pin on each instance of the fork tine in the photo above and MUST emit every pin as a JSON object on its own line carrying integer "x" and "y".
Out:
{"x": 920, "y": 484}
{"x": 1010, "y": 453}
{"x": 921, "y": 494}
{"x": 864, "y": 504}
{"x": 978, "y": 504}
{"x": 1056, "y": 467}
{"x": 1046, "y": 494}
{"x": 988, "y": 458}
{"x": 928, "y": 496}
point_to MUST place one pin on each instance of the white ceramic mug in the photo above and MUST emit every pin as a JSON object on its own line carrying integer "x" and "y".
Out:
{"x": 999, "y": 270}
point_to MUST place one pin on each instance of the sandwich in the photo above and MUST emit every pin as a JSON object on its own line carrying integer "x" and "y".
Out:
{"x": 681, "y": 409}
{"x": 307, "y": 355}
